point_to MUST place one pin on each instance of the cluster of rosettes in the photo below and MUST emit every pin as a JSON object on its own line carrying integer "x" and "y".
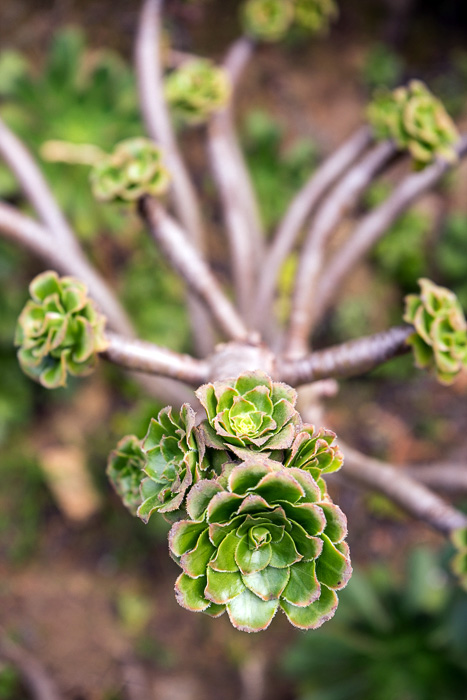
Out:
{"x": 255, "y": 529}
{"x": 196, "y": 90}
{"x": 417, "y": 121}
{"x": 133, "y": 169}
{"x": 59, "y": 331}
{"x": 271, "y": 20}
{"x": 440, "y": 340}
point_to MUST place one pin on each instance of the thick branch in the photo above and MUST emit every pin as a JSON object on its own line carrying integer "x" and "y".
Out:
{"x": 408, "y": 493}
{"x": 297, "y": 213}
{"x": 445, "y": 477}
{"x": 330, "y": 214}
{"x": 142, "y": 356}
{"x": 346, "y": 360}
{"x": 156, "y": 117}
{"x": 186, "y": 260}
{"x": 24, "y": 231}
{"x": 373, "y": 227}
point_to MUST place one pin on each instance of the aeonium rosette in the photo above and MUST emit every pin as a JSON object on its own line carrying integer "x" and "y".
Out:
{"x": 250, "y": 412}
{"x": 261, "y": 538}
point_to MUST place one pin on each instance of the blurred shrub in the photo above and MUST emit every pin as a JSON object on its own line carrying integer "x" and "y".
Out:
{"x": 382, "y": 67}
{"x": 392, "y": 640}
{"x": 80, "y": 97}
{"x": 277, "y": 172}
{"x": 451, "y": 255}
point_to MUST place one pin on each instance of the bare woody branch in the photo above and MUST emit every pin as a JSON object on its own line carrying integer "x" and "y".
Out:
{"x": 330, "y": 214}
{"x": 149, "y": 71}
{"x": 444, "y": 477}
{"x": 373, "y": 227}
{"x": 232, "y": 179}
{"x": 187, "y": 261}
{"x": 146, "y": 357}
{"x": 300, "y": 208}
{"x": 35, "y": 188}
{"x": 22, "y": 230}
{"x": 404, "y": 490}
{"x": 348, "y": 359}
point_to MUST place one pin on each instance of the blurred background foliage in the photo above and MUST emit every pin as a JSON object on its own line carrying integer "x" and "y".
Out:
{"x": 398, "y": 636}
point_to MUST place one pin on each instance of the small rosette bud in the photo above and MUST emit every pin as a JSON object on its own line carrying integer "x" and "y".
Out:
{"x": 315, "y": 452}
{"x": 135, "y": 168}
{"x": 250, "y": 412}
{"x": 268, "y": 20}
{"x": 196, "y": 90}
{"x": 440, "y": 340}
{"x": 125, "y": 471}
{"x": 260, "y": 539}
{"x": 417, "y": 121}
{"x": 59, "y": 331}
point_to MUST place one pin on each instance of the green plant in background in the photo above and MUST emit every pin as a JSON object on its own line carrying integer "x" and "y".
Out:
{"x": 258, "y": 531}
{"x": 315, "y": 16}
{"x": 59, "y": 331}
{"x": 416, "y": 120}
{"x": 81, "y": 98}
{"x": 272, "y": 20}
{"x": 277, "y": 172}
{"x": 196, "y": 90}
{"x": 459, "y": 562}
{"x": 392, "y": 639}
{"x": 382, "y": 68}
{"x": 451, "y": 255}
{"x": 440, "y": 338}
{"x": 134, "y": 168}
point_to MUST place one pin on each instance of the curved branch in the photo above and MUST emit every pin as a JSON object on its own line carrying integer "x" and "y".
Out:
{"x": 142, "y": 356}
{"x": 348, "y": 359}
{"x": 408, "y": 493}
{"x": 186, "y": 260}
{"x": 156, "y": 117}
{"x": 297, "y": 213}
{"x": 374, "y": 226}
{"x": 330, "y": 214}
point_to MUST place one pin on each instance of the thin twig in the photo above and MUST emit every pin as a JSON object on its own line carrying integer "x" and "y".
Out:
{"x": 149, "y": 71}
{"x": 373, "y": 227}
{"x": 189, "y": 264}
{"x": 330, "y": 214}
{"x": 147, "y": 357}
{"x": 34, "y": 237}
{"x": 35, "y": 676}
{"x": 300, "y": 208}
{"x": 404, "y": 490}
{"x": 346, "y": 360}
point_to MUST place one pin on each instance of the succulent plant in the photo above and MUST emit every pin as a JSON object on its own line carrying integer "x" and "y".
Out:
{"x": 133, "y": 169}
{"x": 440, "y": 338}
{"x": 315, "y": 452}
{"x": 250, "y": 412}
{"x": 175, "y": 459}
{"x": 125, "y": 471}
{"x": 459, "y": 562}
{"x": 416, "y": 120}
{"x": 315, "y": 15}
{"x": 59, "y": 330}
{"x": 261, "y": 538}
{"x": 268, "y": 20}
{"x": 196, "y": 90}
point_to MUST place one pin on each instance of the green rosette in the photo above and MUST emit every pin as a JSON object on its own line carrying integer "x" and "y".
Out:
{"x": 196, "y": 90}
{"x": 59, "y": 331}
{"x": 261, "y": 538}
{"x": 125, "y": 471}
{"x": 417, "y": 121}
{"x": 250, "y": 412}
{"x": 268, "y": 20}
{"x": 440, "y": 338}
{"x": 315, "y": 16}
{"x": 316, "y": 452}
{"x": 135, "y": 168}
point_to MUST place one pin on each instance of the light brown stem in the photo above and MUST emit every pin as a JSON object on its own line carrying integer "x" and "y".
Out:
{"x": 189, "y": 264}
{"x": 300, "y": 208}
{"x": 404, "y": 490}
{"x": 330, "y": 214}
{"x": 373, "y": 227}
{"x": 147, "y": 357}
{"x": 348, "y": 359}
